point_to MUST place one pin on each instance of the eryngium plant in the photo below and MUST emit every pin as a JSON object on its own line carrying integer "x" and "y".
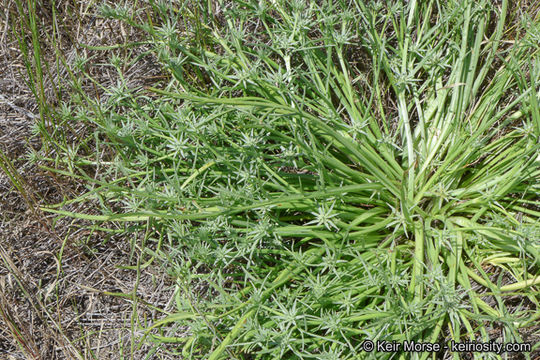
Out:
{"x": 325, "y": 172}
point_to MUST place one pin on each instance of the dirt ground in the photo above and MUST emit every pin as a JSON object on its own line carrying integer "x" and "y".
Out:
{"x": 54, "y": 275}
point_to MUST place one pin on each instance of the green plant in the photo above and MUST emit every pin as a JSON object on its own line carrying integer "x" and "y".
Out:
{"x": 322, "y": 173}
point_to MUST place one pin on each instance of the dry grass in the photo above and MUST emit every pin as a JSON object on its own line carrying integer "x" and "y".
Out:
{"x": 54, "y": 276}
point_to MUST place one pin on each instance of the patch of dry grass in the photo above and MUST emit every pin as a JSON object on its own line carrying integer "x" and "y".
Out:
{"x": 55, "y": 276}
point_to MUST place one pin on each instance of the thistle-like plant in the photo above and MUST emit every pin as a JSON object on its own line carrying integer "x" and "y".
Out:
{"x": 393, "y": 153}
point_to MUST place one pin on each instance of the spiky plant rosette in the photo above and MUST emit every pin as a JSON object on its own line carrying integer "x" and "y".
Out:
{"x": 322, "y": 173}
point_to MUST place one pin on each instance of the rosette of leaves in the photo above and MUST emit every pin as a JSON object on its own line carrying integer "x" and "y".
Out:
{"x": 330, "y": 172}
